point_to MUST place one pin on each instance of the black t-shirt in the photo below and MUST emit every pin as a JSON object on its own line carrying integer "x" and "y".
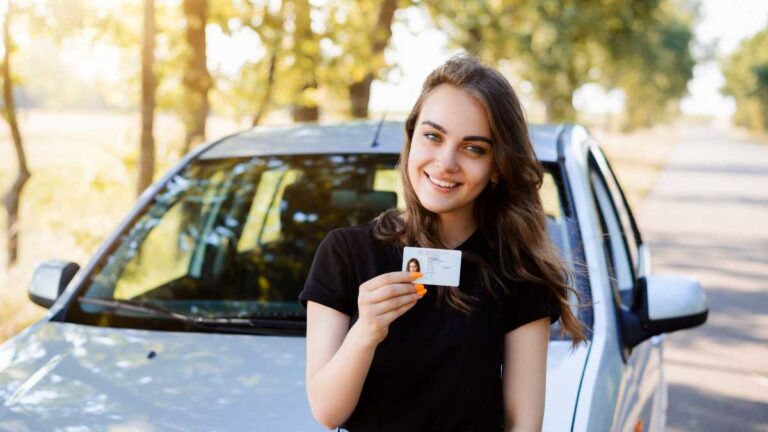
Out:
{"x": 438, "y": 369}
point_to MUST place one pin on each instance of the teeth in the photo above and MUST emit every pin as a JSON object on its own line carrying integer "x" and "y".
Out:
{"x": 445, "y": 184}
{"x": 442, "y": 183}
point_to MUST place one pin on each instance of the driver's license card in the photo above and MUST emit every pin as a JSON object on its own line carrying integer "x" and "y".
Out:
{"x": 439, "y": 266}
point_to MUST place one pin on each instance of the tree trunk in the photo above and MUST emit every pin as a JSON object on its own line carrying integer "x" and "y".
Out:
{"x": 559, "y": 108}
{"x": 359, "y": 96}
{"x": 306, "y": 113}
{"x": 12, "y": 198}
{"x": 264, "y": 106}
{"x": 475, "y": 41}
{"x": 196, "y": 79}
{"x": 147, "y": 143}
{"x": 360, "y": 91}
{"x": 307, "y": 52}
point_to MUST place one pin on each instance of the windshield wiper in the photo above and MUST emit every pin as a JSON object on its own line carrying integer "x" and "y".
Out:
{"x": 222, "y": 324}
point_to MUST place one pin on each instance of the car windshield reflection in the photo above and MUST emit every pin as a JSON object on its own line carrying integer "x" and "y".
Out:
{"x": 234, "y": 238}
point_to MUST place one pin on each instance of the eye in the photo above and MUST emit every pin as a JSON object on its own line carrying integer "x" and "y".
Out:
{"x": 476, "y": 149}
{"x": 432, "y": 137}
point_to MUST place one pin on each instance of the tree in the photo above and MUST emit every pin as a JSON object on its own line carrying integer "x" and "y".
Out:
{"x": 746, "y": 79}
{"x": 658, "y": 76}
{"x": 12, "y": 198}
{"x": 547, "y": 40}
{"x": 306, "y": 53}
{"x": 266, "y": 98}
{"x": 372, "y": 59}
{"x": 147, "y": 141}
{"x": 652, "y": 62}
{"x": 306, "y": 57}
{"x": 557, "y": 45}
{"x": 250, "y": 92}
{"x": 196, "y": 78}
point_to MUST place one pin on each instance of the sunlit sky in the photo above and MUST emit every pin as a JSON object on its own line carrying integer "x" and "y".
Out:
{"x": 725, "y": 23}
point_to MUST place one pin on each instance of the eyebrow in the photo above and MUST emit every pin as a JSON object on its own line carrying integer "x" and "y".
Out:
{"x": 466, "y": 138}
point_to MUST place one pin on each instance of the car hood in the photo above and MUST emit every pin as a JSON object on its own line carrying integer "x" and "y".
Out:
{"x": 61, "y": 376}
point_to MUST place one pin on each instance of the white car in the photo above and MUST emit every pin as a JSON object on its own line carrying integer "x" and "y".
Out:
{"x": 187, "y": 317}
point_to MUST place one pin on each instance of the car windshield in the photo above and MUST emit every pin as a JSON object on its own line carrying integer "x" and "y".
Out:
{"x": 229, "y": 242}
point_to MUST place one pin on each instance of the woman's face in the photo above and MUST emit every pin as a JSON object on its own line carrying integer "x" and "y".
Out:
{"x": 413, "y": 266}
{"x": 451, "y": 158}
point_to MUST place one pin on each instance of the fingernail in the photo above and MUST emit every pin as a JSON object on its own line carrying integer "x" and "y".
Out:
{"x": 416, "y": 275}
{"x": 420, "y": 290}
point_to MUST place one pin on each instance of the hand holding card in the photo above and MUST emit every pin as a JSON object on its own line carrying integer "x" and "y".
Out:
{"x": 439, "y": 266}
{"x": 381, "y": 300}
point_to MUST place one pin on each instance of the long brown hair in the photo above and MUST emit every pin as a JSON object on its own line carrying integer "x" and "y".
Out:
{"x": 510, "y": 214}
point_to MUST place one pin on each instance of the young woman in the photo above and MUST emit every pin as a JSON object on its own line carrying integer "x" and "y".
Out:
{"x": 386, "y": 355}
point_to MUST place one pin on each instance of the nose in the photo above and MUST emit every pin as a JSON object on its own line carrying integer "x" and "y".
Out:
{"x": 447, "y": 158}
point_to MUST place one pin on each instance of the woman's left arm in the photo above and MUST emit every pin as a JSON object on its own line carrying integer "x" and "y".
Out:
{"x": 524, "y": 376}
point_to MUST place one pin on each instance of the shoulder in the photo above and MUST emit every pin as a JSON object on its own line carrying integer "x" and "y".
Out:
{"x": 351, "y": 235}
{"x": 355, "y": 239}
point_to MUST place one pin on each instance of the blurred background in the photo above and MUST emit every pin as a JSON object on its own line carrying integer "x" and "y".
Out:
{"x": 100, "y": 97}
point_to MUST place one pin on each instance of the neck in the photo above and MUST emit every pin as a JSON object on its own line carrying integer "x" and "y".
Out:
{"x": 455, "y": 228}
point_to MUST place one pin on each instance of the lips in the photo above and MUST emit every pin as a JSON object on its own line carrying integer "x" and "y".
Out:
{"x": 445, "y": 184}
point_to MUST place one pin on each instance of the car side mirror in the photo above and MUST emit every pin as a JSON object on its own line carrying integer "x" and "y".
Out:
{"x": 664, "y": 304}
{"x": 49, "y": 281}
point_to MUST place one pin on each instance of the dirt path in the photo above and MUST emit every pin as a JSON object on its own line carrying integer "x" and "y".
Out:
{"x": 707, "y": 216}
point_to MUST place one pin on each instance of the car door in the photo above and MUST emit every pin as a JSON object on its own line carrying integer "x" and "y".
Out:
{"x": 640, "y": 387}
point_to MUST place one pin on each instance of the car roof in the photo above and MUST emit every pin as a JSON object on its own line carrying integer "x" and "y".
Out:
{"x": 367, "y": 136}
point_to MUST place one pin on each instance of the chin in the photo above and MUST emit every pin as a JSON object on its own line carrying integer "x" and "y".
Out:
{"x": 439, "y": 208}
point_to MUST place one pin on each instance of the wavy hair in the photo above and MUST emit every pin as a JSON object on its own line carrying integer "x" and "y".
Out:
{"x": 509, "y": 214}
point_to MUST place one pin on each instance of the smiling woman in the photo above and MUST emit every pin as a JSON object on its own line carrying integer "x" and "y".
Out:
{"x": 377, "y": 346}
{"x": 451, "y": 160}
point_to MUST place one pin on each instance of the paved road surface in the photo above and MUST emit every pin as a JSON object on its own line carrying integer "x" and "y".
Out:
{"x": 707, "y": 216}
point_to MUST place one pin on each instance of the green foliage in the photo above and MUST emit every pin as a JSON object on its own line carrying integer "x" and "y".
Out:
{"x": 285, "y": 29}
{"x": 746, "y": 79}
{"x": 654, "y": 67}
{"x": 559, "y": 45}
{"x": 261, "y": 27}
{"x": 354, "y": 54}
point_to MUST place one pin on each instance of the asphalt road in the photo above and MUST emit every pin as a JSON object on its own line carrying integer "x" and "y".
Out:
{"x": 707, "y": 216}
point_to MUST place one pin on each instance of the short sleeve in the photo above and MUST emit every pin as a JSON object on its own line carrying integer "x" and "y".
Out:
{"x": 330, "y": 281}
{"x": 528, "y": 302}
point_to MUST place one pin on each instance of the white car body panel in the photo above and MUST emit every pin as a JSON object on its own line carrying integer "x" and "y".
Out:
{"x": 564, "y": 368}
{"x": 59, "y": 375}
{"x": 616, "y": 394}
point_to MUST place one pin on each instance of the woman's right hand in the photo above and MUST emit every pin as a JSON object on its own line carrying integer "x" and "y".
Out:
{"x": 383, "y": 299}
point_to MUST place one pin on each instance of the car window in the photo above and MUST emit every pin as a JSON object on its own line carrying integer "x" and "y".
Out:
{"x": 234, "y": 238}
{"x": 625, "y": 218}
{"x": 557, "y": 221}
{"x": 614, "y": 240}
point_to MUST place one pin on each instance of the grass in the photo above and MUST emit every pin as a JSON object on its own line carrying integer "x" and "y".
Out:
{"x": 83, "y": 182}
